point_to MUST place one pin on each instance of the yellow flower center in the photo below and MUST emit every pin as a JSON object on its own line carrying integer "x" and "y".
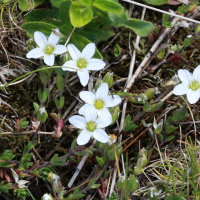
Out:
{"x": 99, "y": 104}
{"x": 49, "y": 49}
{"x": 91, "y": 126}
{"x": 81, "y": 63}
{"x": 194, "y": 85}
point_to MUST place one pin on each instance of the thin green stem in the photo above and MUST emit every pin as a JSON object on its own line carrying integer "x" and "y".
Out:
{"x": 37, "y": 70}
{"x": 30, "y": 193}
{"x": 195, "y": 129}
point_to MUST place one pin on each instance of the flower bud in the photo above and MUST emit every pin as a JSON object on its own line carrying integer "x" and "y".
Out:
{"x": 138, "y": 170}
{"x": 57, "y": 183}
{"x": 142, "y": 161}
{"x": 150, "y": 93}
{"x": 121, "y": 182}
{"x": 132, "y": 183}
{"x": 112, "y": 139}
{"x": 138, "y": 98}
{"x": 64, "y": 58}
{"x": 108, "y": 78}
{"x": 114, "y": 111}
{"x": 47, "y": 197}
{"x": 50, "y": 177}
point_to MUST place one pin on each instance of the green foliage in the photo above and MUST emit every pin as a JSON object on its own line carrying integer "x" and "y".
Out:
{"x": 166, "y": 23}
{"x": 23, "y": 123}
{"x": 114, "y": 111}
{"x": 152, "y": 107}
{"x": 128, "y": 124}
{"x": 113, "y": 197}
{"x": 55, "y": 161}
{"x": 21, "y": 193}
{"x": 100, "y": 161}
{"x": 75, "y": 195}
{"x": 179, "y": 115}
{"x": 5, "y": 187}
{"x": 183, "y": 9}
{"x": 141, "y": 28}
{"x": 161, "y": 54}
{"x": 187, "y": 42}
{"x": 25, "y": 5}
{"x": 80, "y": 15}
{"x": 60, "y": 83}
{"x": 117, "y": 50}
{"x": 45, "y": 75}
{"x": 156, "y": 2}
{"x": 175, "y": 197}
{"x": 6, "y": 157}
{"x": 108, "y": 5}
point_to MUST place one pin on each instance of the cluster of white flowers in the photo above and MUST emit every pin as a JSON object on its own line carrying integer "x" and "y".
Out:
{"x": 190, "y": 84}
{"x": 81, "y": 62}
{"x": 96, "y": 115}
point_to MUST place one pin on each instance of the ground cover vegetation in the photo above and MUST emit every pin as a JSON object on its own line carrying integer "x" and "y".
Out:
{"x": 99, "y": 99}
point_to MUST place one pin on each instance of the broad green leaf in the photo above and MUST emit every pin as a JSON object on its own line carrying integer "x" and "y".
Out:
{"x": 170, "y": 129}
{"x": 53, "y": 22}
{"x": 179, "y": 115}
{"x": 40, "y": 14}
{"x": 107, "y": 5}
{"x": 54, "y": 159}
{"x": 140, "y": 27}
{"x": 36, "y": 106}
{"x": 56, "y": 3}
{"x": 156, "y": 2}
{"x": 64, "y": 11}
{"x": 86, "y": 3}
{"x": 169, "y": 138}
{"x": 80, "y": 15}
{"x": 78, "y": 196}
{"x": 25, "y": 5}
{"x": 43, "y": 27}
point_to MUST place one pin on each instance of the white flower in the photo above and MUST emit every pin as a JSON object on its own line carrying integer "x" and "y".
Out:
{"x": 21, "y": 183}
{"x": 190, "y": 84}
{"x": 99, "y": 101}
{"x": 83, "y": 62}
{"x": 121, "y": 178}
{"x": 155, "y": 192}
{"x": 42, "y": 110}
{"x": 47, "y": 197}
{"x": 91, "y": 126}
{"x": 46, "y": 48}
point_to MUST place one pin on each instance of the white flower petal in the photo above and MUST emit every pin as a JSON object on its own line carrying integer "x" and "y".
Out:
{"x": 90, "y": 113}
{"x": 77, "y": 121}
{"x": 74, "y": 52}
{"x": 40, "y": 39}
{"x": 184, "y": 75}
{"x": 113, "y": 100}
{"x": 83, "y": 109}
{"x": 196, "y": 73}
{"x": 59, "y": 49}
{"x": 49, "y": 59}
{"x": 87, "y": 96}
{"x": 102, "y": 91}
{"x": 193, "y": 96}
{"x": 100, "y": 135}
{"x": 83, "y": 137}
{"x": 83, "y": 76}
{"x": 15, "y": 175}
{"x": 72, "y": 66}
{"x": 95, "y": 64}
{"x": 21, "y": 183}
{"x": 53, "y": 39}
{"x": 181, "y": 89}
{"x": 88, "y": 51}
{"x": 47, "y": 197}
{"x": 104, "y": 120}
{"x": 35, "y": 53}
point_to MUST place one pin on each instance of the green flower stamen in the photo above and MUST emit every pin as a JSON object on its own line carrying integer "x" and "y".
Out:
{"x": 91, "y": 126}
{"x": 194, "y": 85}
{"x": 81, "y": 63}
{"x": 49, "y": 49}
{"x": 99, "y": 104}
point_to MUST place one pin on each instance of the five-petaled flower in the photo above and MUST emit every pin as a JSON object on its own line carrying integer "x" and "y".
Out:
{"x": 100, "y": 101}
{"x": 90, "y": 125}
{"x": 46, "y": 48}
{"x": 190, "y": 84}
{"x": 83, "y": 61}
